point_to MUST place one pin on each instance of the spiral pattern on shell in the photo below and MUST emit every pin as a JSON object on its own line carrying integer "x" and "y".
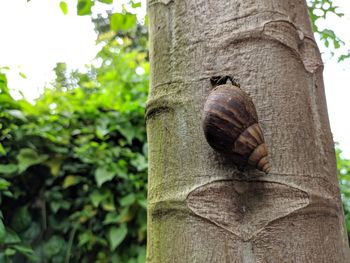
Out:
{"x": 230, "y": 124}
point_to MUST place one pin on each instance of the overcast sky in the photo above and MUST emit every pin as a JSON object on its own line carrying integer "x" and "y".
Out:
{"x": 36, "y": 35}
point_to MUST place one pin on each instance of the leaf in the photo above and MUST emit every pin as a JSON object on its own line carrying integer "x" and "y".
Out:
{"x": 64, "y": 7}
{"x": 8, "y": 168}
{"x": 142, "y": 256}
{"x": 17, "y": 114}
{"x": 344, "y": 56}
{"x": 101, "y": 132}
{"x": 23, "y": 249}
{"x": 54, "y": 245}
{"x": 22, "y": 75}
{"x": 111, "y": 218}
{"x": 128, "y": 200}
{"x": 135, "y": 4}
{"x": 97, "y": 197}
{"x": 121, "y": 170}
{"x": 142, "y": 203}
{"x": 106, "y": 1}
{"x": 146, "y": 20}
{"x": 2, "y": 150}
{"x": 3, "y": 83}
{"x": 10, "y": 252}
{"x": 55, "y": 165}
{"x": 8, "y": 194}
{"x": 326, "y": 43}
{"x": 28, "y": 157}
{"x": 70, "y": 180}
{"x": 59, "y": 204}
{"x": 336, "y": 44}
{"x": 2, "y": 231}
{"x": 102, "y": 175}
{"x": 116, "y": 236}
{"x": 84, "y": 7}
{"x": 122, "y": 21}
{"x": 128, "y": 132}
{"x": 108, "y": 205}
{"x": 11, "y": 237}
{"x": 32, "y": 233}
{"x": 21, "y": 219}
{"x": 84, "y": 238}
{"x": 140, "y": 162}
{"x": 4, "y": 184}
{"x": 125, "y": 215}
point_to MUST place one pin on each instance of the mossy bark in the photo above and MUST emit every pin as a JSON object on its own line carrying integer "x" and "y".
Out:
{"x": 201, "y": 207}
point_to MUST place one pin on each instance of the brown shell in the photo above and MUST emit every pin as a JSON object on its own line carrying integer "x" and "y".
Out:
{"x": 230, "y": 125}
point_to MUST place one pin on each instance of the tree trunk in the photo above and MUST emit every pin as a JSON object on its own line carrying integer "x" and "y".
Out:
{"x": 201, "y": 207}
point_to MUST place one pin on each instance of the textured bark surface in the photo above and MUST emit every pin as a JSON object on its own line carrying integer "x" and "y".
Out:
{"x": 201, "y": 208}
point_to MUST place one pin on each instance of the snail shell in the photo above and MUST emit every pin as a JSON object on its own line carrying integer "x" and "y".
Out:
{"x": 230, "y": 124}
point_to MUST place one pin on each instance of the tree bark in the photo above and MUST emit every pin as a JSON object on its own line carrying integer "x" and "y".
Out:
{"x": 201, "y": 207}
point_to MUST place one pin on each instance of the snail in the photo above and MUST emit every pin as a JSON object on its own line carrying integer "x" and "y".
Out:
{"x": 231, "y": 126}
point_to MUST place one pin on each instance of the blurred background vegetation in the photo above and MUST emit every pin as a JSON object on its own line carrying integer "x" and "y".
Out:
{"x": 73, "y": 164}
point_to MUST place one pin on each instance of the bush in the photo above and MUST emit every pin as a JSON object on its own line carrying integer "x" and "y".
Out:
{"x": 73, "y": 165}
{"x": 343, "y": 167}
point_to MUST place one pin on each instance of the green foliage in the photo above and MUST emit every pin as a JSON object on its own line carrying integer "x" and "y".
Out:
{"x": 64, "y": 7}
{"x": 319, "y": 9}
{"x": 344, "y": 56}
{"x": 122, "y": 21}
{"x": 84, "y": 7}
{"x": 73, "y": 167}
{"x": 106, "y": 1}
{"x": 343, "y": 167}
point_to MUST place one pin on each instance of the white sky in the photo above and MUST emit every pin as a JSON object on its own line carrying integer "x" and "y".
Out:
{"x": 36, "y": 35}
